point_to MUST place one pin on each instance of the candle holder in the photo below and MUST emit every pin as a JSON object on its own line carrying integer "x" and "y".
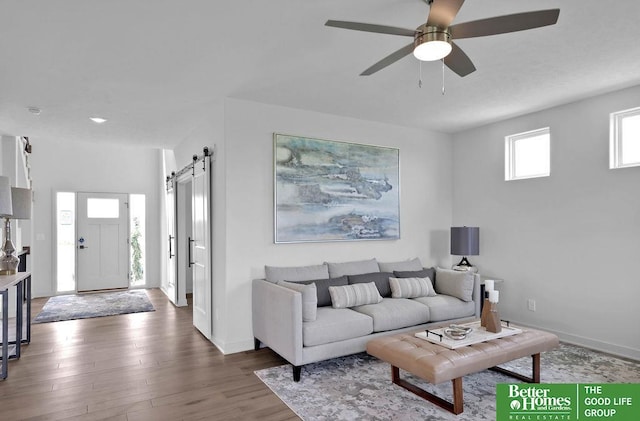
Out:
{"x": 493, "y": 320}
{"x": 486, "y": 309}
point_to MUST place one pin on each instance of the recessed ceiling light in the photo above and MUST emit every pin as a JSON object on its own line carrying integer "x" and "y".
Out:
{"x": 98, "y": 120}
{"x": 34, "y": 110}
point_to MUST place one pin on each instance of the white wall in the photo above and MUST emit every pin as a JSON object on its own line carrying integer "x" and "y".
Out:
{"x": 60, "y": 165}
{"x": 570, "y": 241}
{"x": 425, "y": 161}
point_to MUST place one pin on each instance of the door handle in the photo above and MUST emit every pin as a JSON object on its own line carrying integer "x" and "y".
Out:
{"x": 170, "y": 247}
{"x": 82, "y": 247}
{"x": 189, "y": 249}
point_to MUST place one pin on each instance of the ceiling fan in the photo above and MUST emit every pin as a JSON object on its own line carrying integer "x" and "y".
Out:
{"x": 433, "y": 40}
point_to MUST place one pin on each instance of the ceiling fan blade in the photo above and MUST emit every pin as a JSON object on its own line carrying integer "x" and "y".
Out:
{"x": 370, "y": 27}
{"x": 388, "y": 60}
{"x": 505, "y": 24}
{"x": 459, "y": 62}
{"x": 443, "y": 12}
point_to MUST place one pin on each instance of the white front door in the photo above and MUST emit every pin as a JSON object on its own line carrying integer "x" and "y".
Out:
{"x": 201, "y": 247}
{"x": 102, "y": 243}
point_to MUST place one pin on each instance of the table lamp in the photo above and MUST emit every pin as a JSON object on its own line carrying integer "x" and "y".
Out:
{"x": 20, "y": 208}
{"x": 465, "y": 241}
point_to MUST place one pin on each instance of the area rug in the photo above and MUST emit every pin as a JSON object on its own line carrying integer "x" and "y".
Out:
{"x": 358, "y": 387}
{"x": 85, "y": 306}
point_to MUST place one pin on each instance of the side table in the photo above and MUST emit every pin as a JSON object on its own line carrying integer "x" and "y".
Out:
{"x": 22, "y": 282}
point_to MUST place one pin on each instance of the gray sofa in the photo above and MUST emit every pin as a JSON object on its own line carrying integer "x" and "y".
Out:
{"x": 294, "y": 314}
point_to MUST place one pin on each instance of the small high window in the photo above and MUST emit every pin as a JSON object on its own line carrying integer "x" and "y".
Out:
{"x": 624, "y": 139}
{"x": 527, "y": 155}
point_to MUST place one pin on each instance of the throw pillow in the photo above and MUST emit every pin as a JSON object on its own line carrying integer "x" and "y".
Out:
{"x": 322, "y": 287}
{"x": 423, "y": 273}
{"x": 381, "y": 279}
{"x": 354, "y": 295}
{"x": 309, "y": 299}
{"x": 455, "y": 283}
{"x": 405, "y": 265}
{"x": 411, "y": 287}
{"x": 352, "y": 268}
{"x": 296, "y": 273}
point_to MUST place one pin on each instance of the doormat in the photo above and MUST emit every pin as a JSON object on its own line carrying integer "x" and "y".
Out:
{"x": 86, "y": 306}
{"x": 358, "y": 387}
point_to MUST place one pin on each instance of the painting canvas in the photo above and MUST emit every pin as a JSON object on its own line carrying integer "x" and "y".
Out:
{"x": 335, "y": 191}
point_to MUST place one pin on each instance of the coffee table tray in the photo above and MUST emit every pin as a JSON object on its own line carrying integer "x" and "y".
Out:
{"x": 479, "y": 334}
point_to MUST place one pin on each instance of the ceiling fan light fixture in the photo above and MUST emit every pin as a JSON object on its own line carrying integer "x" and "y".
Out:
{"x": 433, "y": 44}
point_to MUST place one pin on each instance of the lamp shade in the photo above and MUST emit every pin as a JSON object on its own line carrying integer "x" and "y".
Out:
{"x": 6, "y": 208}
{"x": 465, "y": 241}
{"x": 21, "y": 200}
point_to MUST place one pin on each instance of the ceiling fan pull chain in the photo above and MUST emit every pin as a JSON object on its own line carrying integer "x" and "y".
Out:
{"x": 420, "y": 75}
{"x": 443, "y": 90}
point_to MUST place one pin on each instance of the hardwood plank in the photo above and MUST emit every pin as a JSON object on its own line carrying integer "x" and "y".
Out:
{"x": 143, "y": 366}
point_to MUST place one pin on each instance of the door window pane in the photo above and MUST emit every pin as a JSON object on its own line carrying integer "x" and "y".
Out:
{"x": 103, "y": 208}
{"x": 66, "y": 239}
{"x": 137, "y": 239}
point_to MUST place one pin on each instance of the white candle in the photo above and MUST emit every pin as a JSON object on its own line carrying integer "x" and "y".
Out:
{"x": 494, "y": 296}
{"x": 488, "y": 285}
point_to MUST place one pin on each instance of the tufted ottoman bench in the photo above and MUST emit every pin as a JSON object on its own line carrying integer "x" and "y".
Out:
{"x": 437, "y": 364}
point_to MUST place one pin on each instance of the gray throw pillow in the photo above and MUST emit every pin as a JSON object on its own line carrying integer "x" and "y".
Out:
{"x": 405, "y": 265}
{"x": 322, "y": 287}
{"x": 296, "y": 273}
{"x": 352, "y": 268}
{"x": 309, "y": 299}
{"x": 381, "y": 279}
{"x": 354, "y": 295}
{"x": 424, "y": 273}
{"x": 455, "y": 283}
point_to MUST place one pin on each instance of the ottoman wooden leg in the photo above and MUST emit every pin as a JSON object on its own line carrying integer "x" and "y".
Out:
{"x": 457, "y": 406}
{"x": 535, "y": 371}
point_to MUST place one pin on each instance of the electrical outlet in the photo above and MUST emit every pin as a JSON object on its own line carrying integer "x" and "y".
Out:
{"x": 531, "y": 304}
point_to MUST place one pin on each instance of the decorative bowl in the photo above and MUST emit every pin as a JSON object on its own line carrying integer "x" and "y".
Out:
{"x": 457, "y": 332}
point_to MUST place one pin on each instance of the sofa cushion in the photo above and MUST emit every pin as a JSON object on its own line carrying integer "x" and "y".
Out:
{"x": 322, "y": 286}
{"x": 354, "y": 295}
{"x": 395, "y": 313}
{"x": 309, "y": 298}
{"x": 296, "y": 273}
{"x": 455, "y": 283}
{"x": 446, "y": 307}
{"x": 411, "y": 287}
{"x": 422, "y": 273}
{"x": 333, "y": 325}
{"x": 381, "y": 279}
{"x": 405, "y": 265}
{"x": 352, "y": 268}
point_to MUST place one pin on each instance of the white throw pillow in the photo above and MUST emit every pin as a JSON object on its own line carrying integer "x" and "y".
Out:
{"x": 456, "y": 283}
{"x": 309, "y": 299}
{"x": 411, "y": 287}
{"x": 354, "y": 295}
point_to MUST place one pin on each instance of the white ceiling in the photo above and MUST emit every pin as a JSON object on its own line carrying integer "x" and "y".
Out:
{"x": 155, "y": 67}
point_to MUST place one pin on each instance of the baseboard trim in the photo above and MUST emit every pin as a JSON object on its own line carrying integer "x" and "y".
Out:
{"x": 613, "y": 349}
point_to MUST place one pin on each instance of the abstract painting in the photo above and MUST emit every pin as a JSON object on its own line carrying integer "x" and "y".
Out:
{"x": 335, "y": 191}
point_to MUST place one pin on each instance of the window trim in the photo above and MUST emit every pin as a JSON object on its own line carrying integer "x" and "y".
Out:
{"x": 615, "y": 138}
{"x": 510, "y": 150}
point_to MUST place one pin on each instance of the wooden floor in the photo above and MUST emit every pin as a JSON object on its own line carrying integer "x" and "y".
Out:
{"x": 144, "y": 366}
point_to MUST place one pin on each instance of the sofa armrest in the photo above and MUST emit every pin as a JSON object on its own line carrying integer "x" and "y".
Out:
{"x": 477, "y": 299}
{"x": 277, "y": 319}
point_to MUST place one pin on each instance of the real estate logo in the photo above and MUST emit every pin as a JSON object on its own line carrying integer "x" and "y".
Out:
{"x": 545, "y": 402}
